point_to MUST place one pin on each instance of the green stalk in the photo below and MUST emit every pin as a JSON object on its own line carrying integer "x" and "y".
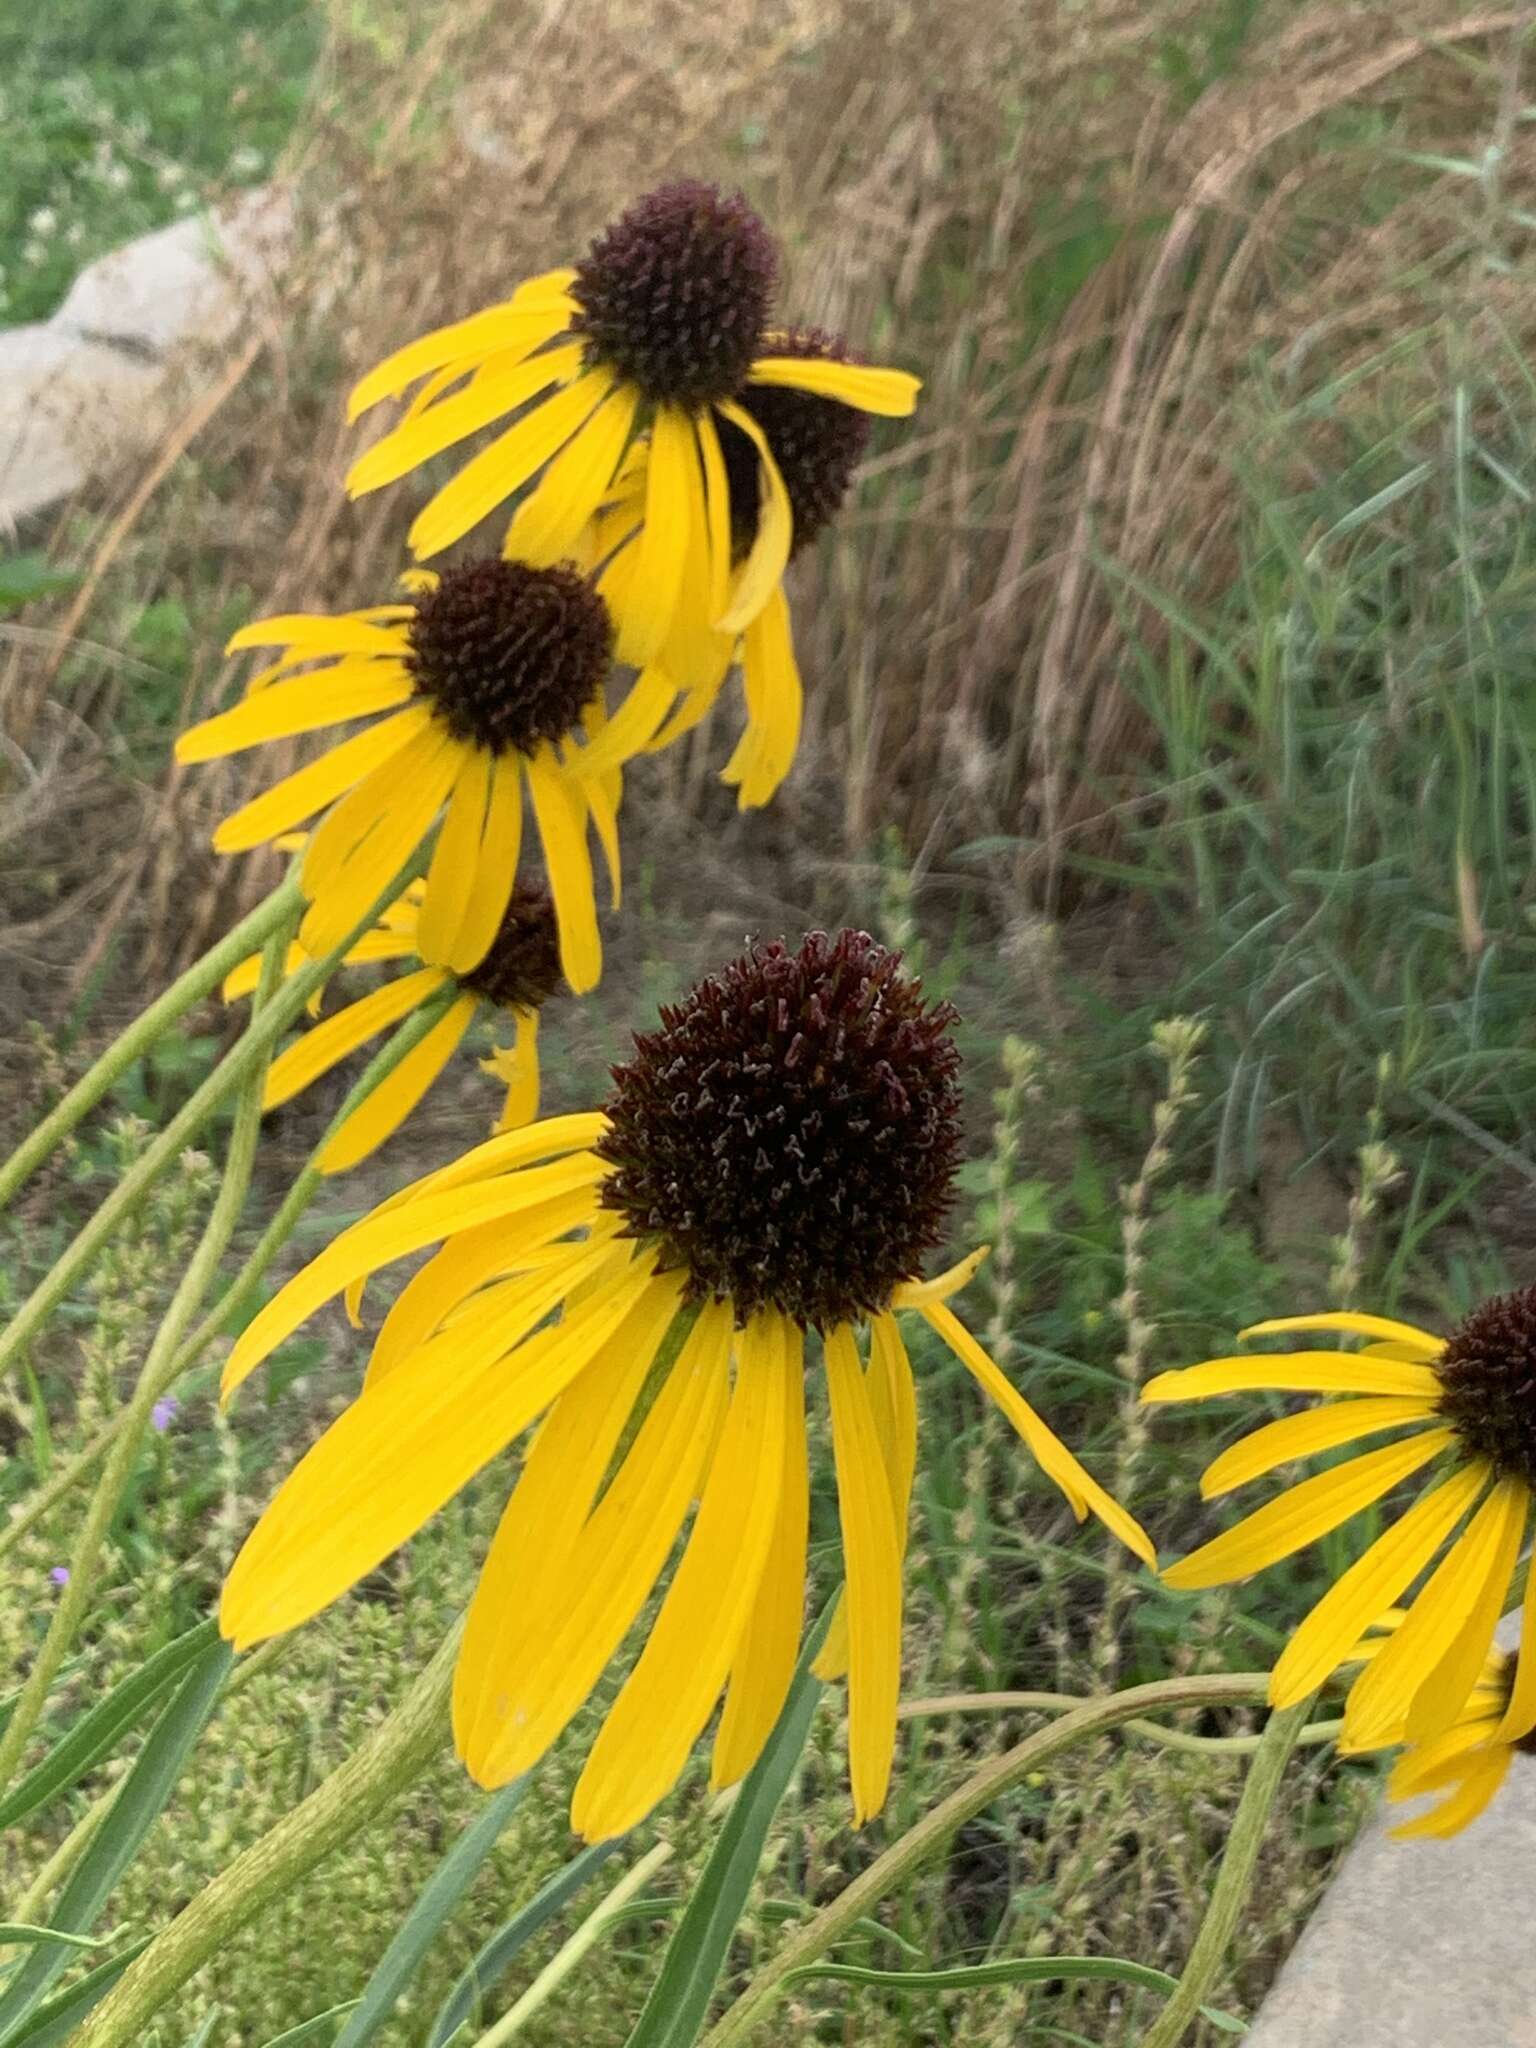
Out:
{"x": 202, "y": 977}
{"x": 80, "y": 1586}
{"x": 1233, "y": 1878}
{"x": 933, "y": 1831}
{"x": 235, "y": 1297}
{"x": 1315, "y": 1733}
{"x": 252, "y": 1047}
{"x": 371, "y": 1779}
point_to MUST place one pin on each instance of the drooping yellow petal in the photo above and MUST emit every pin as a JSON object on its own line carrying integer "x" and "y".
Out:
{"x": 1306, "y": 1512}
{"x": 1488, "y": 1553}
{"x": 382, "y": 1113}
{"x": 549, "y": 522}
{"x": 1293, "y": 1372}
{"x": 561, "y": 1475}
{"x": 768, "y": 555}
{"x": 428, "y": 433}
{"x": 303, "y": 705}
{"x": 717, "y": 513}
{"x": 310, "y": 789}
{"x": 495, "y": 867}
{"x": 391, "y": 1460}
{"x": 595, "y": 1590}
{"x": 563, "y": 828}
{"x": 243, "y": 979}
{"x": 491, "y": 477}
{"x": 661, "y": 553}
{"x": 393, "y": 1233}
{"x": 463, "y": 344}
{"x": 1520, "y": 1715}
{"x": 918, "y": 1293}
{"x": 1476, "y": 1791}
{"x": 661, "y": 1710}
{"x": 1082, "y": 1490}
{"x": 629, "y": 730}
{"x": 455, "y": 858}
{"x": 601, "y": 794}
{"x": 891, "y": 393}
{"x": 770, "y": 1643}
{"x": 1421, "y": 1343}
{"x": 323, "y": 1045}
{"x": 1372, "y": 1583}
{"x": 771, "y": 684}
{"x": 873, "y": 1566}
{"x": 347, "y": 873}
{"x": 1302, "y": 1436}
{"x": 517, "y": 1065}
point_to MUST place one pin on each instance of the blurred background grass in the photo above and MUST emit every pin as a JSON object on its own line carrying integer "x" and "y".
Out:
{"x": 1175, "y": 662}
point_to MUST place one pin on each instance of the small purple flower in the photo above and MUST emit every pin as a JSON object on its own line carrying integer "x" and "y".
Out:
{"x": 60, "y": 1575}
{"x": 163, "y": 1414}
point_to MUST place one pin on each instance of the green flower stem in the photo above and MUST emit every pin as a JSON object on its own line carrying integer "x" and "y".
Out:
{"x": 370, "y": 1780}
{"x": 574, "y": 1951}
{"x": 929, "y": 1835}
{"x": 1233, "y": 1878}
{"x": 199, "y": 979}
{"x": 236, "y": 1296}
{"x": 75, "y": 1597}
{"x": 1315, "y": 1733}
{"x": 252, "y": 1047}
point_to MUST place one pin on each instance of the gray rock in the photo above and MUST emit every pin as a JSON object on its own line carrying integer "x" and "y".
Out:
{"x": 63, "y": 400}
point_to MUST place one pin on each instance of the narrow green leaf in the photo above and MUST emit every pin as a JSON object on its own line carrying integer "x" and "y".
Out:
{"x": 312, "y": 2030}
{"x": 17, "y": 1932}
{"x": 676, "y": 2010}
{"x": 497, "y": 1955}
{"x": 137, "y": 1806}
{"x": 204, "y": 2033}
{"x": 97, "y": 1733}
{"x": 57, "y": 2020}
{"x": 439, "y": 1896}
{"x": 1020, "y": 1970}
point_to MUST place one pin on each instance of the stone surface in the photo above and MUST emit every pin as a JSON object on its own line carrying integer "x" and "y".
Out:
{"x": 128, "y": 347}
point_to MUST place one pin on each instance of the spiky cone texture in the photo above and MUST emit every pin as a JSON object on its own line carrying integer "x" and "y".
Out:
{"x": 1462, "y": 1411}
{"x": 516, "y": 977}
{"x": 662, "y": 329}
{"x": 778, "y": 1158}
{"x": 491, "y": 679}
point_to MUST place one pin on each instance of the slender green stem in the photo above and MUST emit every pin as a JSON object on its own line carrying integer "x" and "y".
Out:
{"x": 151, "y": 1024}
{"x": 929, "y": 1835}
{"x": 574, "y": 1951}
{"x": 370, "y": 1780}
{"x": 235, "y": 1297}
{"x": 1233, "y": 1878}
{"x": 1316, "y": 1732}
{"x": 80, "y": 1586}
{"x": 252, "y": 1046}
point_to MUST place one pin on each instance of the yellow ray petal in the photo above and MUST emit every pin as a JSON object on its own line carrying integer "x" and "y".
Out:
{"x": 542, "y": 1520}
{"x": 518, "y": 1066}
{"x": 1430, "y": 1766}
{"x": 891, "y": 393}
{"x": 310, "y": 635}
{"x": 390, "y": 1461}
{"x": 323, "y": 1045}
{"x": 1293, "y": 1372}
{"x": 599, "y": 1586}
{"x": 1486, "y": 1566}
{"x": 495, "y": 867}
{"x": 463, "y": 344}
{"x": 455, "y": 858}
{"x": 310, "y": 789}
{"x": 1422, "y": 1343}
{"x": 770, "y": 1643}
{"x": 563, "y": 828}
{"x": 717, "y": 512}
{"x": 630, "y": 729}
{"x": 544, "y": 1140}
{"x": 548, "y": 523}
{"x": 1302, "y": 1436}
{"x": 661, "y": 552}
{"x": 918, "y": 1293}
{"x": 382, "y": 1113}
{"x": 771, "y": 684}
{"x": 483, "y": 400}
{"x": 242, "y": 980}
{"x": 1463, "y": 1807}
{"x": 1304, "y": 1513}
{"x": 1520, "y": 1715}
{"x": 412, "y": 785}
{"x": 873, "y": 1566}
{"x": 602, "y": 806}
{"x": 1082, "y": 1490}
{"x": 491, "y": 477}
{"x": 391, "y": 1234}
{"x": 303, "y": 705}
{"x": 1373, "y": 1582}
{"x": 661, "y": 1710}
{"x": 768, "y": 555}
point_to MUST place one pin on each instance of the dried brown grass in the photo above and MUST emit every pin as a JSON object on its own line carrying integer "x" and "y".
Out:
{"x": 933, "y": 173}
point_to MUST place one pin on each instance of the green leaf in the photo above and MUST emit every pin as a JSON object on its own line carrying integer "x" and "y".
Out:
{"x": 138, "y": 1805}
{"x": 97, "y": 1733}
{"x": 498, "y": 1953}
{"x": 310, "y": 2030}
{"x": 25, "y": 577}
{"x": 1022, "y": 1970}
{"x": 57, "y": 2020}
{"x": 16, "y": 1932}
{"x": 438, "y": 1898}
{"x": 678, "y": 2006}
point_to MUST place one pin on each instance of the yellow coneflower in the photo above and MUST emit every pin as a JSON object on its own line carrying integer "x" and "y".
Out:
{"x": 1468, "y": 1762}
{"x": 662, "y": 327}
{"x": 816, "y": 443}
{"x": 490, "y": 677}
{"x": 1466, "y": 1404}
{"x": 517, "y": 975}
{"x": 779, "y": 1158}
